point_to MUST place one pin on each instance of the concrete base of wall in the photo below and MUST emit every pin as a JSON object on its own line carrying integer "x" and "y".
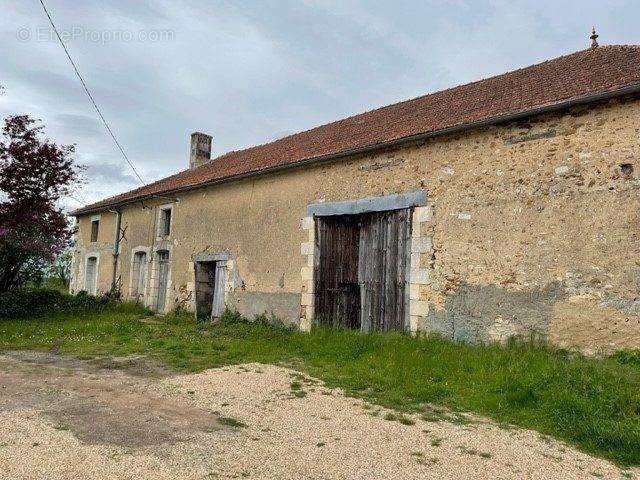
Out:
{"x": 492, "y": 314}
{"x": 283, "y": 306}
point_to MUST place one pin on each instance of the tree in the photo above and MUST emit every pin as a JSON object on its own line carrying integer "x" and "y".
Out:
{"x": 60, "y": 269}
{"x": 34, "y": 174}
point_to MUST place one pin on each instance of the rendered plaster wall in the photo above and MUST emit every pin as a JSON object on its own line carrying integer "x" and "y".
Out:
{"x": 102, "y": 249}
{"x": 532, "y": 230}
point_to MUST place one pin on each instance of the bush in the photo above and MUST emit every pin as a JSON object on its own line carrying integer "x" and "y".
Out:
{"x": 37, "y": 303}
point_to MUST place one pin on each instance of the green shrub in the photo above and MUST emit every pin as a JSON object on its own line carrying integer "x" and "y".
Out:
{"x": 37, "y": 303}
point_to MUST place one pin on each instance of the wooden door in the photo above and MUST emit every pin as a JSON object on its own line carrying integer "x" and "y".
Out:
{"x": 336, "y": 279}
{"x": 163, "y": 280}
{"x": 384, "y": 255}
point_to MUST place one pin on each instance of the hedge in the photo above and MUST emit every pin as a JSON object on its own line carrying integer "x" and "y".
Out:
{"x": 37, "y": 303}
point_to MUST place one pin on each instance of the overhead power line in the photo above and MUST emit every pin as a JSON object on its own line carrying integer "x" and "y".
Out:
{"x": 86, "y": 89}
{"x": 77, "y": 200}
{"x": 83, "y": 200}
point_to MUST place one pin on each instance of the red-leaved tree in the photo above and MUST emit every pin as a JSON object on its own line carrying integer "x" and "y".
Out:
{"x": 34, "y": 174}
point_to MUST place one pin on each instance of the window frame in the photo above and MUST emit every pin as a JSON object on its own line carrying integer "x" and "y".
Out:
{"x": 94, "y": 234}
{"x": 164, "y": 230}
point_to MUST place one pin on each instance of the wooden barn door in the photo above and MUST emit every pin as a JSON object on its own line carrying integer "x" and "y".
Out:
{"x": 384, "y": 254}
{"x": 337, "y": 288}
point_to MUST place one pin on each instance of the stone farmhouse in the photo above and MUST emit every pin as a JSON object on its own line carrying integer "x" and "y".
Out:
{"x": 507, "y": 207}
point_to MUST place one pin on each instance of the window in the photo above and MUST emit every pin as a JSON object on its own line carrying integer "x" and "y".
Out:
{"x": 165, "y": 222}
{"x": 95, "y": 225}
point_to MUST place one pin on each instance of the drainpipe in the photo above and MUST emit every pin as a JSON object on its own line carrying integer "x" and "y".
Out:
{"x": 116, "y": 249}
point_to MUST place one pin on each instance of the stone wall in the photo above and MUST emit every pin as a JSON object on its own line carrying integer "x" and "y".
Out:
{"x": 531, "y": 230}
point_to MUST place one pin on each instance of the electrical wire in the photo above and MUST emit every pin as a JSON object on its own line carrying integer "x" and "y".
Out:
{"x": 86, "y": 89}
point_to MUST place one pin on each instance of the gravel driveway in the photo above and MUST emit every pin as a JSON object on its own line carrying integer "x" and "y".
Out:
{"x": 125, "y": 418}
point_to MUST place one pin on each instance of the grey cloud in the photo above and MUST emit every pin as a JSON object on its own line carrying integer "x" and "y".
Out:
{"x": 109, "y": 173}
{"x": 82, "y": 124}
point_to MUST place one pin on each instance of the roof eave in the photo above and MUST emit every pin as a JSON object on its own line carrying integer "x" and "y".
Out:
{"x": 498, "y": 119}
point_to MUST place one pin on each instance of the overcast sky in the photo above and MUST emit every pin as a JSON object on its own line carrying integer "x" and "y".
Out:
{"x": 248, "y": 72}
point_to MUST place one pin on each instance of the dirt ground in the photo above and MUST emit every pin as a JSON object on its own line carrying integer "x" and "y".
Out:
{"x": 126, "y": 418}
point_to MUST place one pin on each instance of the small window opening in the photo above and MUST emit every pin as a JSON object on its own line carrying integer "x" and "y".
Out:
{"x": 95, "y": 225}
{"x": 165, "y": 222}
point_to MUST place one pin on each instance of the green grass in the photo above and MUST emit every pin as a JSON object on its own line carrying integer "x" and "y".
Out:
{"x": 591, "y": 403}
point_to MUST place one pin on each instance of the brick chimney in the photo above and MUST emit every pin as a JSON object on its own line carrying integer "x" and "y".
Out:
{"x": 200, "y": 149}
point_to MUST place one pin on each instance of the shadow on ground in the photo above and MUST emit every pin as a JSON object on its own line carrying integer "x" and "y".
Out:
{"x": 105, "y": 401}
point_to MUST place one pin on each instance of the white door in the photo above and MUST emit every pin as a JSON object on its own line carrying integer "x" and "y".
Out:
{"x": 90, "y": 275}
{"x": 217, "y": 308}
{"x": 163, "y": 280}
{"x": 139, "y": 268}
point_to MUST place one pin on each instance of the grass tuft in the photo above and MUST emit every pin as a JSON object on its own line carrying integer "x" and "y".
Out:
{"x": 297, "y": 390}
{"x": 404, "y": 420}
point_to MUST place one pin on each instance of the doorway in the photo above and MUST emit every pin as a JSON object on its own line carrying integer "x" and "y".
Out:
{"x": 209, "y": 289}
{"x": 361, "y": 278}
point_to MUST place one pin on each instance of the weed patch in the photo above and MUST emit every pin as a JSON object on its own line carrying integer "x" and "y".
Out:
{"x": 472, "y": 451}
{"x": 404, "y": 420}
{"x": 436, "y": 442}
{"x": 297, "y": 390}
{"x": 422, "y": 460}
{"x": 231, "y": 422}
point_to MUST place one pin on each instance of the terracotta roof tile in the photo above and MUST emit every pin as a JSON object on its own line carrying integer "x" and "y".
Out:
{"x": 572, "y": 76}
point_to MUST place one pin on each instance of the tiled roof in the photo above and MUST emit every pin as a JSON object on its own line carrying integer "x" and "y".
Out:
{"x": 584, "y": 73}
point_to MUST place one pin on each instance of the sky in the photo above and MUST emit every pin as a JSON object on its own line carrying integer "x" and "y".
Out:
{"x": 249, "y": 72}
